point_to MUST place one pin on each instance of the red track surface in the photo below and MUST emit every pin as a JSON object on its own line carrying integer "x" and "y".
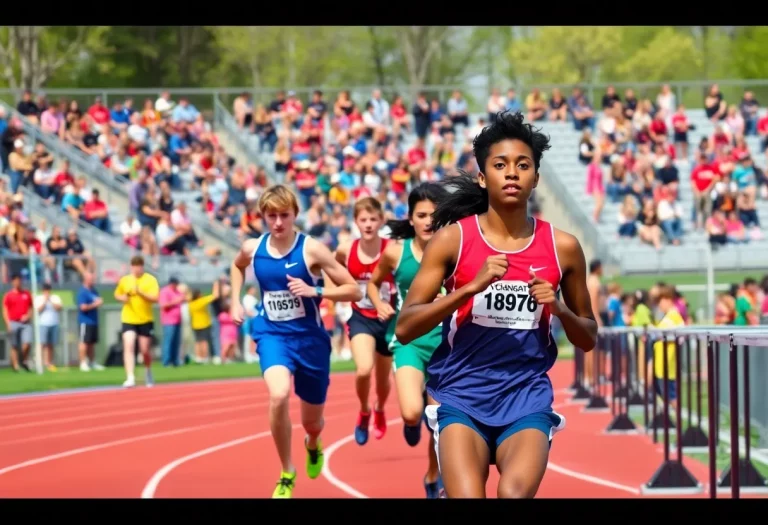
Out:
{"x": 124, "y": 443}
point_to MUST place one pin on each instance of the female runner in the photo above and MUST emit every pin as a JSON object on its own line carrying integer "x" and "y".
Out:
{"x": 502, "y": 270}
{"x": 401, "y": 261}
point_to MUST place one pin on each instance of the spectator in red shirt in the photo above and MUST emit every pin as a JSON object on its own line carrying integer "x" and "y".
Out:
{"x": 762, "y": 130}
{"x": 17, "y": 313}
{"x": 416, "y": 157}
{"x": 95, "y": 212}
{"x": 680, "y": 125}
{"x": 658, "y": 127}
{"x": 703, "y": 179}
{"x": 99, "y": 112}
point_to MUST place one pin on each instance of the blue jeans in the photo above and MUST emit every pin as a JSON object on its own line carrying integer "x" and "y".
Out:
{"x": 171, "y": 344}
{"x": 673, "y": 229}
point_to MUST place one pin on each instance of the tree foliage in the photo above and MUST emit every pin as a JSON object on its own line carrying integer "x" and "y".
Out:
{"x": 401, "y": 58}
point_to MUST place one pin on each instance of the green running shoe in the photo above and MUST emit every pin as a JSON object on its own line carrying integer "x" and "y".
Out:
{"x": 315, "y": 459}
{"x": 284, "y": 488}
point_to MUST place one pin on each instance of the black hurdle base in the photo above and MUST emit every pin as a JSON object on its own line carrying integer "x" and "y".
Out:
{"x": 581, "y": 394}
{"x": 750, "y": 480}
{"x": 597, "y": 403}
{"x": 635, "y": 399}
{"x": 658, "y": 423}
{"x": 621, "y": 424}
{"x": 672, "y": 478}
{"x": 694, "y": 437}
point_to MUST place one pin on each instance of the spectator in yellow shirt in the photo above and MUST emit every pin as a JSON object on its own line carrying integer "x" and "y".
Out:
{"x": 671, "y": 319}
{"x": 138, "y": 291}
{"x": 200, "y": 319}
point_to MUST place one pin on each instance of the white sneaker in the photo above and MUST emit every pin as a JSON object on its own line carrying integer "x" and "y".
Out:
{"x": 216, "y": 360}
{"x": 97, "y": 366}
{"x": 130, "y": 382}
{"x": 84, "y": 367}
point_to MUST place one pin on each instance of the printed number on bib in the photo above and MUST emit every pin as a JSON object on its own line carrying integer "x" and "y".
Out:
{"x": 508, "y": 305}
{"x": 283, "y": 306}
{"x": 365, "y": 303}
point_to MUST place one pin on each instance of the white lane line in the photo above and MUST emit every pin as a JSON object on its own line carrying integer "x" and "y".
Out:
{"x": 118, "y": 442}
{"x": 151, "y": 487}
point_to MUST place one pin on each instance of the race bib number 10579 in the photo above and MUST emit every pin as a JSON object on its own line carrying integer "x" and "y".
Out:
{"x": 507, "y": 305}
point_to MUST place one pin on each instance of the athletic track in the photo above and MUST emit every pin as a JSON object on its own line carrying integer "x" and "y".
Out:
{"x": 211, "y": 440}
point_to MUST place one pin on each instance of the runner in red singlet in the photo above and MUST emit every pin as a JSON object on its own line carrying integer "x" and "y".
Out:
{"x": 367, "y": 333}
{"x": 507, "y": 274}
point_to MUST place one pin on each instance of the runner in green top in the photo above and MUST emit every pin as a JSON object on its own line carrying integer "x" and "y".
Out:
{"x": 402, "y": 259}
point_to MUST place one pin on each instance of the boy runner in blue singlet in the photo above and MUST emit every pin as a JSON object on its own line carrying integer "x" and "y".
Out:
{"x": 287, "y": 328}
{"x": 502, "y": 270}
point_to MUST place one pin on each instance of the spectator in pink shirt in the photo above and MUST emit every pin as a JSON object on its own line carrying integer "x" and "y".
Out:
{"x": 170, "y": 300}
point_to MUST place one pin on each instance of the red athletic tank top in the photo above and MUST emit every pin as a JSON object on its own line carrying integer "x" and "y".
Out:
{"x": 505, "y": 303}
{"x": 362, "y": 274}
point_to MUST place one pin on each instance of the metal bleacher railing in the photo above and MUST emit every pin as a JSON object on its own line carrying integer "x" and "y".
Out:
{"x": 117, "y": 191}
{"x": 633, "y": 384}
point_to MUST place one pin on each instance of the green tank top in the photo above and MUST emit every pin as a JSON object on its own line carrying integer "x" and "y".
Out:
{"x": 404, "y": 274}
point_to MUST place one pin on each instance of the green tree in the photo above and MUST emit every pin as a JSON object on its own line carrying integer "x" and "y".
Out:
{"x": 565, "y": 55}
{"x": 668, "y": 55}
{"x": 31, "y": 55}
{"x": 750, "y": 52}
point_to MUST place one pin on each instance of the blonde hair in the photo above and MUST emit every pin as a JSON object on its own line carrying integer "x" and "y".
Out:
{"x": 368, "y": 204}
{"x": 278, "y": 198}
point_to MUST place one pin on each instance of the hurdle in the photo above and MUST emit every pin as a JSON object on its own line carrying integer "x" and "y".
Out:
{"x": 684, "y": 371}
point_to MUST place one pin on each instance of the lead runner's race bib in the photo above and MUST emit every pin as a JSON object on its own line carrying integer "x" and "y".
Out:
{"x": 282, "y": 305}
{"x": 507, "y": 305}
{"x": 365, "y": 303}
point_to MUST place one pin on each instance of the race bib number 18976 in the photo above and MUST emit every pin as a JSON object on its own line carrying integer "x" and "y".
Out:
{"x": 283, "y": 306}
{"x": 507, "y": 305}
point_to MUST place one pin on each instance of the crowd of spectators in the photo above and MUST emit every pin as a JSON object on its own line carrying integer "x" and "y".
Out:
{"x": 334, "y": 152}
{"x": 633, "y": 151}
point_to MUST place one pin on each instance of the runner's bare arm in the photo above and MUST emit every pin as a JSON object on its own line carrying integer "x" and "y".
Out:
{"x": 420, "y": 312}
{"x": 345, "y": 288}
{"x": 386, "y": 266}
{"x": 342, "y": 250}
{"x": 238, "y": 266}
{"x": 576, "y": 315}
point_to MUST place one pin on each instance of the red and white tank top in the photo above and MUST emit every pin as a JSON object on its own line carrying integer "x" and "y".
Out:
{"x": 362, "y": 274}
{"x": 506, "y": 303}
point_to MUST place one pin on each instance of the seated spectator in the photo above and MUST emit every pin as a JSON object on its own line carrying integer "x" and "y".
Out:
{"x": 670, "y": 216}
{"x": 586, "y": 147}
{"x": 536, "y": 105}
{"x": 558, "y": 108}
{"x": 649, "y": 229}
{"x": 680, "y": 126}
{"x": 630, "y": 104}
{"x": 130, "y": 229}
{"x": 628, "y": 217}
{"x": 45, "y": 179}
{"x": 458, "y": 110}
{"x": 172, "y": 242}
{"x": 181, "y": 223}
{"x": 618, "y": 183}
{"x": 57, "y": 247}
{"x": 242, "y": 110}
{"x": 734, "y": 121}
{"x": 583, "y": 115}
{"x": 80, "y": 259}
{"x": 72, "y": 202}
{"x": 95, "y": 212}
{"x": 717, "y": 229}
{"x": 21, "y": 166}
{"x": 734, "y": 229}
{"x": 714, "y": 106}
{"x": 496, "y": 103}
{"x": 63, "y": 178}
{"x": 668, "y": 176}
{"x": 29, "y": 108}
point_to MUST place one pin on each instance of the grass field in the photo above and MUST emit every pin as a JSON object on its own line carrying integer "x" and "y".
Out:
{"x": 22, "y": 382}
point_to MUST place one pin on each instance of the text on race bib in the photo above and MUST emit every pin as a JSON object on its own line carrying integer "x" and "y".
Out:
{"x": 283, "y": 306}
{"x": 365, "y": 303}
{"x": 507, "y": 305}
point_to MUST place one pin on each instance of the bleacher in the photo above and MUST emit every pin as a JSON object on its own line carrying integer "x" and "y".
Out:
{"x": 632, "y": 255}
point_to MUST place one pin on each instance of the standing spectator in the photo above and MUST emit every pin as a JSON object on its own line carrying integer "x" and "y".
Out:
{"x": 170, "y": 300}
{"x": 48, "y": 306}
{"x": 421, "y": 116}
{"x": 380, "y": 108}
{"x": 202, "y": 325}
{"x": 88, "y": 303}
{"x": 749, "y": 107}
{"x": 17, "y": 313}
